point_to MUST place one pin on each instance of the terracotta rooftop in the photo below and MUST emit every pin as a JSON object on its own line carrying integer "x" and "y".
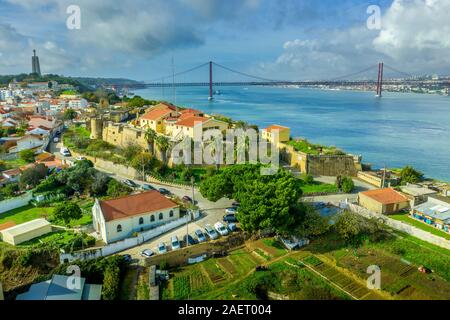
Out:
{"x": 190, "y": 121}
{"x": 276, "y": 127}
{"x": 385, "y": 196}
{"x": 164, "y": 106}
{"x": 156, "y": 114}
{"x": 134, "y": 205}
{"x": 7, "y": 225}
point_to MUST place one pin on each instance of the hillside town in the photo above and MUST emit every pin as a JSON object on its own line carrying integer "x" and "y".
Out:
{"x": 97, "y": 180}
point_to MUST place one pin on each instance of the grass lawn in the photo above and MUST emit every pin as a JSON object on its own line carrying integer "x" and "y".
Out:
{"x": 60, "y": 238}
{"x": 317, "y": 187}
{"x": 16, "y": 163}
{"x": 25, "y": 214}
{"x": 418, "y": 224}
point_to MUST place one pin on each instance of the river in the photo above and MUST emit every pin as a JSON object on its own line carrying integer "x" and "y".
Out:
{"x": 397, "y": 130}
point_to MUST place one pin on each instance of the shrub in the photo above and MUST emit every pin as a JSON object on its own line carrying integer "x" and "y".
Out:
{"x": 347, "y": 185}
{"x": 27, "y": 155}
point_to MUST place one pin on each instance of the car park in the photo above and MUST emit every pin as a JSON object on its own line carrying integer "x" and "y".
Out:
{"x": 164, "y": 191}
{"x": 200, "y": 235}
{"x": 162, "y": 248}
{"x": 65, "y": 152}
{"x": 189, "y": 240}
{"x": 231, "y": 210}
{"x": 230, "y": 218}
{"x": 127, "y": 258}
{"x": 130, "y": 183}
{"x": 221, "y": 228}
{"x": 212, "y": 234}
{"x": 175, "y": 243}
{"x": 147, "y": 253}
{"x": 232, "y": 227}
{"x": 147, "y": 187}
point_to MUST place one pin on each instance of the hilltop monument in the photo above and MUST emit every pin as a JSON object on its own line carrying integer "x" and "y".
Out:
{"x": 36, "y": 68}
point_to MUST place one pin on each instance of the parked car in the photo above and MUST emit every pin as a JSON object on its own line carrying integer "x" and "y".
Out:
{"x": 162, "y": 248}
{"x": 164, "y": 191}
{"x": 147, "y": 253}
{"x": 187, "y": 199}
{"x": 212, "y": 234}
{"x": 65, "y": 152}
{"x": 221, "y": 228}
{"x": 175, "y": 243}
{"x": 231, "y": 210}
{"x": 80, "y": 158}
{"x": 232, "y": 227}
{"x": 147, "y": 187}
{"x": 230, "y": 218}
{"x": 235, "y": 204}
{"x": 189, "y": 240}
{"x": 130, "y": 183}
{"x": 55, "y": 139}
{"x": 200, "y": 235}
{"x": 127, "y": 258}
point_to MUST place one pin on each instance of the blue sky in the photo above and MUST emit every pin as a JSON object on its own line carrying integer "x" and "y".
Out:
{"x": 278, "y": 39}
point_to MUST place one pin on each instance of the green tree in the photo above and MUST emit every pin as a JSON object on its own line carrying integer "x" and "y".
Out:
{"x": 409, "y": 175}
{"x": 130, "y": 151}
{"x": 348, "y": 225}
{"x": 150, "y": 137}
{"x": 117, "y": 189}
{"x": 27, "y": 155}
{"x": 69, "y": 114}
{"x": 308, "y": 178}
{"x": 9, "y": 190}
{"x": 67, "y": 211}
{"x": 32, "y": 176}
{"x": 99, "y": 184}
{"x": 163, "y": 144}
{"x": 143, "y": 162}
{"x": 347, "y": 185}
{"x": 111, "y": 281}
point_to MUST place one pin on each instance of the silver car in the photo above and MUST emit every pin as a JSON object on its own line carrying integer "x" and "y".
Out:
{"x": 212, "y": 234}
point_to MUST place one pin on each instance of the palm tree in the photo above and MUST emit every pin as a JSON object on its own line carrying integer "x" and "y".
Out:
{"x": 163, "y": 144}
{"x": 150, "y": 137}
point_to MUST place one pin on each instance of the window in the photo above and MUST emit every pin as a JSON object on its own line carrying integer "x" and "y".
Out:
{"x": 119, "y": 228}
{"x": 152, "y": 218}
{"x": 141, "y": 220}
{"x": 171, "y": 213}
{"x": 161, "y": 216}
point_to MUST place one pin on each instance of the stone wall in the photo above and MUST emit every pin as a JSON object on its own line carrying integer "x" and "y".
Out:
{"x": 320, "y": 165}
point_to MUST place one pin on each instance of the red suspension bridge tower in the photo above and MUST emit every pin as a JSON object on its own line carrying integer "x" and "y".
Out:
{"x": 211, "y": 97}
{"x": 380, "y": 79}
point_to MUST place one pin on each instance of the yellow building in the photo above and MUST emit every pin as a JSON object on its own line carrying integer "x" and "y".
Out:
{"x": 269, "y": 133}
{"x": 185, "y": 127}
{"x": 155, "y": 116}
{"x": 383, "y": 201}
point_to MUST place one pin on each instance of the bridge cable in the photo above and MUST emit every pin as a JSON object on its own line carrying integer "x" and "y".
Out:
{"x": 180, "y": 73}
{"x": 353, "y": 74}
{"x": 248, "y": 75}
{"x": 398, "y": 71}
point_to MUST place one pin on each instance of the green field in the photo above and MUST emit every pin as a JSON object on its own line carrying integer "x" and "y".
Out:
{"x": 418, "y": 224}
{"x": 28, "y": 213}
{"x": 24, "y": 214}
{"x": 318, "y": 187}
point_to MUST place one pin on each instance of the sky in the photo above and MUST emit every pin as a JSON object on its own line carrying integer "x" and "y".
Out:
{"x": 275, "y": 39}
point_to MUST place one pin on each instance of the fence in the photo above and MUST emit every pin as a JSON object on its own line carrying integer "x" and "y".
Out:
{"x": 16, "y": 202}
{"x": 399, "y": 225}
{"x": 124, "y": 244}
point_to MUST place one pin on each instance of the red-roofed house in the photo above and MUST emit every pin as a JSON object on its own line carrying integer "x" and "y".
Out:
{"x": 284, "y": 134}
{"x": 184, "y": 127}
{"x": 154, "y": 119}
{"x": 119, "y": 218}
{"x": 383, "y": 201}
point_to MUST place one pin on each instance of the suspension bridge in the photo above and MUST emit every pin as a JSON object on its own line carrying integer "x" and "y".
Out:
{"x": 376, "y": 71}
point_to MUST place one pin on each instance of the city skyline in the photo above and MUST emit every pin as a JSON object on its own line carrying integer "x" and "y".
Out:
{"x": 303, "y": 40}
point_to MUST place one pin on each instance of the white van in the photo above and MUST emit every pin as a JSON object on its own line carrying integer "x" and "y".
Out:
{"x": 65, "y": 152}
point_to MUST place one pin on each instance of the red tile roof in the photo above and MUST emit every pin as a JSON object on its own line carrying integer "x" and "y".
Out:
{"x": 385, "y": 196}
{"x": 7, "y": 225}
{"x": 135, "y": 205}
{"x": 191, "y": 121}
{"x": 156, "y": 114}
{"x": 164, "y": 106}
{"x": 276, "y": 127}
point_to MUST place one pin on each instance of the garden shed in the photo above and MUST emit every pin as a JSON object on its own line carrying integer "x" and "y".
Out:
{"x": 26, "y": 231}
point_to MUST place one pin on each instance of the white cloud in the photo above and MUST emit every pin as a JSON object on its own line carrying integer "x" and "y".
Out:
{"x": 415, "y": 38}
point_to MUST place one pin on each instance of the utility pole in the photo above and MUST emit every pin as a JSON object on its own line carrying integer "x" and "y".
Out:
{"x": 173, "y": 83}
{"x": 384, "y": 177}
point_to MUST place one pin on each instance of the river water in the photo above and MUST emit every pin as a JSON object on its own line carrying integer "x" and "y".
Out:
{"x": 399, "y": 129}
